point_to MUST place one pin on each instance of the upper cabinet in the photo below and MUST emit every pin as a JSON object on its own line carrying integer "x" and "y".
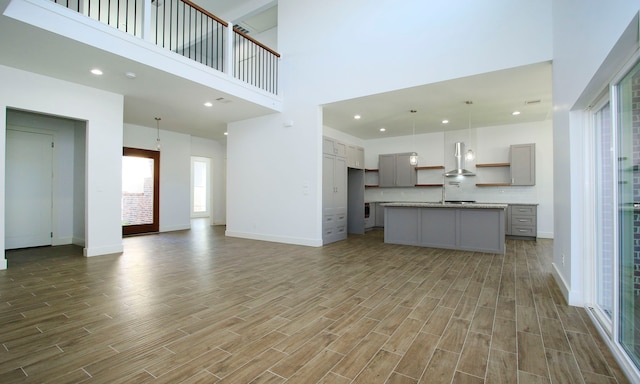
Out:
{"x": 521, "y": 167}
{"x": 355, "y": 157}
{"x": 523, "y": 164}
{"x": 333, "y": 147}
{"x": 394, "y": 170}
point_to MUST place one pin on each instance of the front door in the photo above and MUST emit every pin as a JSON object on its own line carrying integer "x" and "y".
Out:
{"x": 140, "y": 191}
{"x": 28, "y": 186}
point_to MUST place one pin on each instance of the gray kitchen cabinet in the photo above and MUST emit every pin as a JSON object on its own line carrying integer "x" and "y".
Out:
{"x": 523, "y": 164}
{"x": 471, "y": 229}
{"x": 355, "y": 157}
{"x": 522, "y": 220}
{"x": 334, "y": 198}
{"x": 333, "y": 147}
{"x": 394, "y": 170}
{"x": 379, "y": 220}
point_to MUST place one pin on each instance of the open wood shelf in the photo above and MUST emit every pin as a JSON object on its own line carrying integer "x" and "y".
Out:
{"x": 370, "y": 170}
{"x": 487, "y": 165}
{"x": 424, "y": 167}
{"x": 372, "y": 186}
{"x": 493, "y": 184}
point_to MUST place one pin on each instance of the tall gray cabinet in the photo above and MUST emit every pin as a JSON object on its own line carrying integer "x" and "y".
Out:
{"x": 334, "y": 191}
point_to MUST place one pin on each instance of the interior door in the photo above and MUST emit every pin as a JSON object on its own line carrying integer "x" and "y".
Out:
{"x": 28, "y": 188}
{"x": 140, "y": 191}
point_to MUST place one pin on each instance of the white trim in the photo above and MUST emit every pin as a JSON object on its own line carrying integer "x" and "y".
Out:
{"x": 3, "y": 263}
{"x": 628, "y": 368}
{"x": 575, "y": 298}
{"x": 100, "y": 251}
{"x": 175, "y": 228}
{"x": 61, "y": 241}
{"x": 277, "y": 239}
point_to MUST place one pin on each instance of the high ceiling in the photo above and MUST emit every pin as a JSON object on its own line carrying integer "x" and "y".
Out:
{"x": 494, "y": 97}
{"x": 180, "y": 102}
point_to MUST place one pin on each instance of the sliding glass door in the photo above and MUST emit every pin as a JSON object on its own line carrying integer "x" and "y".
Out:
{"x": 604, "y": 212}
{"x": 628, "y": 129}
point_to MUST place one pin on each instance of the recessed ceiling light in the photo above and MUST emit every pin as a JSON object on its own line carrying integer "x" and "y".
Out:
{"x": 226, "y": 133}
{"x": 515, "y": 113}
{"x": 357, "y": 117}
{"x": 208, "y": 104}
{"x": 96, "y": 71}
{"x": 383, "y": 129}
{"x": 130, "y": 75}
{"x": 445, "y": 121}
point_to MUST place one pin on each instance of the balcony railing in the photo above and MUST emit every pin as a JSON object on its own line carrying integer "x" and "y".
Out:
{"x": 185, "y": 28}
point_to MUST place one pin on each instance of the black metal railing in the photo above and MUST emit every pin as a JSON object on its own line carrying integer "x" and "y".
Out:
{"x": 255, "y": 63}
{"x": 125, "y": 15}
{"x": 187, "y": 29}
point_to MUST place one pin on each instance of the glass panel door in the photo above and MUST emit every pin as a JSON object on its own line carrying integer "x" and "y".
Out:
{"x": 628, "y": 127}
{"x": 604, "y": 212}
{"x": 140, "y": 184}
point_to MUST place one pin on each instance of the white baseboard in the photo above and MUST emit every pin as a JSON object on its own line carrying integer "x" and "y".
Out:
{"x": 545, "y": 235}
{"x": 175, "y": 228}
{"x": 62, "y": 241}
{"x": 3, "y": 263}
{"x": 100, "y": 251}
{"x": 275, "y": 239}
{"x": 575, "y": 298}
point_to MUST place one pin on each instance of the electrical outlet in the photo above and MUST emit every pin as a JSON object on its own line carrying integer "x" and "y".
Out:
{"x": 562, "y": 259}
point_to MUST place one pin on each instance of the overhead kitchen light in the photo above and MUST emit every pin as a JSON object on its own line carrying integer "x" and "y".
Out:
{"x": 413, "y": 158}
{"x": 96, "y": 71}
{"x": 445, "y": 121}
{"x": 158, "y": 131}
{"x": 383, "y": 129}
{"x": 469, "y": 155}
{"x": 515, "y": 113}
{"x": 357, "y": 117}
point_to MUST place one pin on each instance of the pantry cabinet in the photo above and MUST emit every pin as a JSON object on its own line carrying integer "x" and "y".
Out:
{"x": 334, "y": 192}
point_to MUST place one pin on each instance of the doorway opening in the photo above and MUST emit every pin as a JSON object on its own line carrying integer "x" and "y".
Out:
{"x": 200, "y": 187}
{"x": 140, "y": 191}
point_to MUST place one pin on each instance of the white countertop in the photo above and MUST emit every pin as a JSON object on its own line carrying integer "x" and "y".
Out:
{"x": 446, "y": 205}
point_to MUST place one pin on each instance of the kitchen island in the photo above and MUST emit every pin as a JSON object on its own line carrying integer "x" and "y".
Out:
{"x": 470, "y": 226}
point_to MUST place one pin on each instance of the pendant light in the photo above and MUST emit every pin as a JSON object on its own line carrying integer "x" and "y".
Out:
{"x": 158, "y": 133}
{"x": 413, "y": 158}
{"x": 469, "y": 155}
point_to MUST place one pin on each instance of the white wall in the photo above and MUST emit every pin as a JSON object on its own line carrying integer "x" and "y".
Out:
{"x": 217, "y": 152}
{"x": 175, "y": 173}
{"x": 103, "y": 112}
{"x": 353, "y": 49}
{"x": 584, "y": 34}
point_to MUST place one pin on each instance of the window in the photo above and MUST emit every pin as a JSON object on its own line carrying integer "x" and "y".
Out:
{"x": 200, "y": 186}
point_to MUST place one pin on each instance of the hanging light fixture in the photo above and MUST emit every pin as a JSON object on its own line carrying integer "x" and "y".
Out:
{"x": 413, "y": 158}
{"x": 469, "y": 155}
{"x": 158, "y": 133}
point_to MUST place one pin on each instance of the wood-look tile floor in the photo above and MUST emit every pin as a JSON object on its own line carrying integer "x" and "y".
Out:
{"x": 197, "y": 307}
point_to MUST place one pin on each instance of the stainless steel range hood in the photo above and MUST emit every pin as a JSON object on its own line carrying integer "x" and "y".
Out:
{"x": 459, "y": 155}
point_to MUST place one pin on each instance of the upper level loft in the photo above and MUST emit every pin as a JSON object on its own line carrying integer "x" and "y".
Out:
{"x": 191, "y": 31}
{"x": 183, "y": 48}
